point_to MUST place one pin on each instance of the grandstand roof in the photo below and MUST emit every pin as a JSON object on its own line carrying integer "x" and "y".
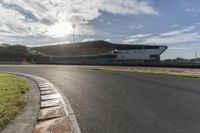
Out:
{"x": 88, "y": 48}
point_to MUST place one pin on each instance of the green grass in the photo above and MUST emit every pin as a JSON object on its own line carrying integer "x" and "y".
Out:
{"x": 12, "y": 100}
{"x": 143, "y": 71}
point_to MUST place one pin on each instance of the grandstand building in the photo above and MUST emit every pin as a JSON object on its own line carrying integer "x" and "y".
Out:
{"x": 102, "y": 52}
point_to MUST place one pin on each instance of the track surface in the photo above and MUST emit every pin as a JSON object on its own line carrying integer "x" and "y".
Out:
{"x": 114, "y": 102}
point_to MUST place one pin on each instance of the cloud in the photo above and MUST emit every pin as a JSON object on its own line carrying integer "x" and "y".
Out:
{"x": 194, "y": 11}
{"x": 177, "y": 32}
{"x": 135, "y": 38}
{"x": 109, "y": 23}
{"x": 108, "y": 40}
{"x": 54, "y": 18}
{"x": 175, "y": 25}
{"x": 54, "y": 43}
{"x": 125, "y": 7}
{"x": 131, "y": 40}
{"x": 180, "y": 38}
{"x": 178, "y": 48}
{"x": 136, "y": 26}
{"x": 139, "y": 36}
{"x": 87, "y": 40}
{"x": 190, "y": 10}
{"x": 186, "y": 34}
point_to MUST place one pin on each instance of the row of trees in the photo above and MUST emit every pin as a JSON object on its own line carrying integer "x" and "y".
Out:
{"x": 183, "y": 61}
{"x": 19, "y": 53}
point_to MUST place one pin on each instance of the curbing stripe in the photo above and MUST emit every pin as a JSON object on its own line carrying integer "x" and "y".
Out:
{"x": 51, "y": 117}
{"x": 51, "y": 103}
{"x": 53, "y": 112}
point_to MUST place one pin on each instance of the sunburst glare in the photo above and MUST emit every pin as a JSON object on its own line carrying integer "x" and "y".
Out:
{"x": 60, "y": 29}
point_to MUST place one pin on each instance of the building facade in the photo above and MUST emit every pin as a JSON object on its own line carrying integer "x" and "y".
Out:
{"x": 99, "y": 52}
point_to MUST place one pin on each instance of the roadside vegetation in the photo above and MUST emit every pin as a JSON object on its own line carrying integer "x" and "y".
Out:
{"x": 143, "y": 71}
{"x": 34, "y": 56}
{"x": 179, "y": 60}
{"x": 12, "y": 100}
{"x": 19, "y": 53}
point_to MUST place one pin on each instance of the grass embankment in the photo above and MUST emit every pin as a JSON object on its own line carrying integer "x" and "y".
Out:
{"x": 143, "y": 71}
{"x": 12, "y": 89}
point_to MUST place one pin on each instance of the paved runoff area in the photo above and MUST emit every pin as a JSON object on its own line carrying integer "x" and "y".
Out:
{"x": 117, "y": 102}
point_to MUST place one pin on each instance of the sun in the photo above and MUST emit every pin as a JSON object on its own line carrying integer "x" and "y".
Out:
{"x": 60, "y": 29}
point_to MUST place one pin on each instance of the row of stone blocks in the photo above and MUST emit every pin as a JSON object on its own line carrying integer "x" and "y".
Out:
{"x": 52, "y": 117}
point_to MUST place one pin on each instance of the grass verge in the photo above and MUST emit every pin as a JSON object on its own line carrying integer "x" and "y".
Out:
{"x": 12, "y": 89}
{"x": 144, "y": 71}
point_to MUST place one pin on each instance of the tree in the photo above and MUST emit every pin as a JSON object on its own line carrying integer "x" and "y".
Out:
{"x": 34, "y": 56}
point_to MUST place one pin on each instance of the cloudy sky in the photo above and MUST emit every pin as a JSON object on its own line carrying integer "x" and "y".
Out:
{"x": 175, "y": 23}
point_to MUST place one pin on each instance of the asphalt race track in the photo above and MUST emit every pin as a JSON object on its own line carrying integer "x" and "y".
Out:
{"x": 116, "y": 102}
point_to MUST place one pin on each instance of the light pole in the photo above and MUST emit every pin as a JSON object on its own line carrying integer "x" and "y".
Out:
{"x": 73, "y": 34}
{"x": 73, "y": 40}
{"x": 195, "y": 54}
